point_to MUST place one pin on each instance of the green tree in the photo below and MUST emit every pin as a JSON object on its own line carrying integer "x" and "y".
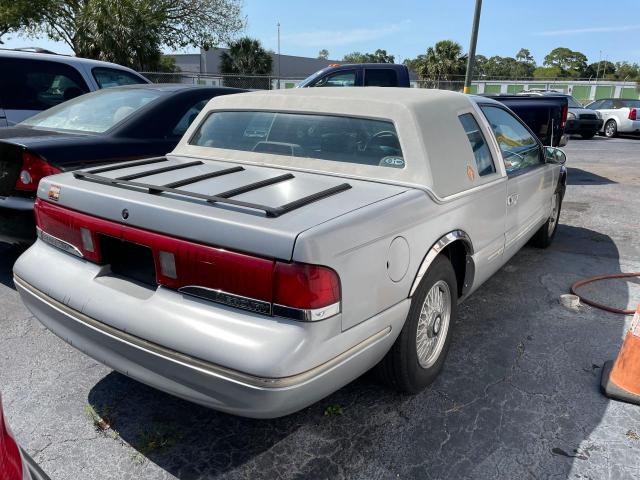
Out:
{"x": 171, "y": 23}
{"x": 548, "y": 72}
{"x": 526, "y": 63}
{"x": 323, "y": 54}
{"x": 501, "y": 67}
{"x": 15, "y": 15}
{"x": 127, "y": 32}
{"x": 246, "y": 57}
{"x": 599, "y": 69}
{"x": 479, "y": 65}
{"x": 379, "y": 56}
{"x": 444, "y": 61}
{"x": 627, "y": 71}
{"x": 570, "y": 62}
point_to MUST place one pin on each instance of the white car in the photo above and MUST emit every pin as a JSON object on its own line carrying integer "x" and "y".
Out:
{"x": 32, "y": 82}
{"x": 619, "y": 115}
{"x": 293, "y": 240}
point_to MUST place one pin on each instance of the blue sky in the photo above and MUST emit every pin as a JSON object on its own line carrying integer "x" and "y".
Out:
{"x": 406, "y": 28}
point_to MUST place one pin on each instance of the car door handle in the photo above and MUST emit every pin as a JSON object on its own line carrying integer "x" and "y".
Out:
{"x": 512, "y": 199}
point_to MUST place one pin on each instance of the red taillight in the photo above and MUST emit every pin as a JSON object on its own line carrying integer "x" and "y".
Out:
{"x": 213, "y": 268}
{"x": 633, "y": 113}
{"x": 303, "y": 286}
{"x": 33, "y": 170}
{"x": 181, "y": 264}
{"x": 10, "y": 459}
{"x": 565, "y": 111}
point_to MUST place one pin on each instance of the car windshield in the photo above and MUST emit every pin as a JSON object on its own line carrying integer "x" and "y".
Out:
{"x": 573, "y": 103}
{"x": 326, "y": 137}
{"x": 95, "y": 112}
{"x": 312, "y": 77}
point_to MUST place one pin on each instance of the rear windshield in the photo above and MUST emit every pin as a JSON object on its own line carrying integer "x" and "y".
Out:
{"x": 111, "y": 77}
{"x": 94, "y": 112}
{"x": 326, "y": 137}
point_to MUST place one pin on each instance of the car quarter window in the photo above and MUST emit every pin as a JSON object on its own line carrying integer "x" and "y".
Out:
{"x": 187, "y": 119}
{"x": 112, "y": 77}
{"x": 484, "y": 162}
{"x": 38, "y": 84}
{"x": 519, "y": 148}
{"x": 338, "y": 79}
{"x": 380, "y": 77}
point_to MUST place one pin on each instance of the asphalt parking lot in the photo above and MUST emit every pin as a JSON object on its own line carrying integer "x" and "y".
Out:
{"x": 518, "y": 397}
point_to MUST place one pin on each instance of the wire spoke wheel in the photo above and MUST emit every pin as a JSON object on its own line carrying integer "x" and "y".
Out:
{"x": 433, "y": 324}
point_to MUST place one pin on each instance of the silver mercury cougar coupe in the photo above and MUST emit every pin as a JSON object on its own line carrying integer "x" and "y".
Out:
{"x": 292, "y": 241}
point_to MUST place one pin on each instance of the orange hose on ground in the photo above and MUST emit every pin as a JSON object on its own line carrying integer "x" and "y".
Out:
{"x": 581, "y": 283}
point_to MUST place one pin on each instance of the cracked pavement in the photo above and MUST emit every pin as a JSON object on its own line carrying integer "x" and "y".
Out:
{"x": 518, "y": 398}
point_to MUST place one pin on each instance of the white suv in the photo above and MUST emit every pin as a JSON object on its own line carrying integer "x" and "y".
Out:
{"x": 31, "y": 82}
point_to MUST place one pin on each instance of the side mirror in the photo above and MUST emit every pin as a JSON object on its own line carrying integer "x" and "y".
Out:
{"x": 554, "y": 155}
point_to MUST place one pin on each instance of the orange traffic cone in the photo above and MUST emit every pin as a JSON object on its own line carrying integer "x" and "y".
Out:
{"x": 621, "y": 379}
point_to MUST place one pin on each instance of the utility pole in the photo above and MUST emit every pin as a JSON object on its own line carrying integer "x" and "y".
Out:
{"x": 472, "y": 47}
{"x": 278, "y": 55}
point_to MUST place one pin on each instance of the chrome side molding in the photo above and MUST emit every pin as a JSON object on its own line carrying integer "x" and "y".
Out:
{"x": 436, "y": 249}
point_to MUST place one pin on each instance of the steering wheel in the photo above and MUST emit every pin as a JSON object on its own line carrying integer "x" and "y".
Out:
{"x": 381, "y": 134}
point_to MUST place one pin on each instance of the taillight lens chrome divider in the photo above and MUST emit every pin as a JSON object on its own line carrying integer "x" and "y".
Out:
{"x": 58, "y": 243}
{"x": 307, "y": 314}
{"x": 295, "y": 290}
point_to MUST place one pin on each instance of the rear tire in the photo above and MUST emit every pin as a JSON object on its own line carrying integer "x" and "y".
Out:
{"x": 610, "y": 129}
{"x": 418, "y": 354}
{"x": 588, "y": 136}
{"x": 544, "y": 237}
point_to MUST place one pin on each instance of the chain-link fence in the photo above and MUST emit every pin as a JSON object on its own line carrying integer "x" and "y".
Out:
{"x": 582, "y": 89}
{"x": 256, "y": 82}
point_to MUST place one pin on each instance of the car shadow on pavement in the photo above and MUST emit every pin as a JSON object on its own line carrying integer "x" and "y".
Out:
{"x": 8, "y": 256}
{"x": 518, "y": 397}
{"x": 577, "y": 176}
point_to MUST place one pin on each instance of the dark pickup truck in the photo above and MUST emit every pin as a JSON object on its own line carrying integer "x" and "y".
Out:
{"x": 359, "y": 75}
{"x": 545, "y": 115}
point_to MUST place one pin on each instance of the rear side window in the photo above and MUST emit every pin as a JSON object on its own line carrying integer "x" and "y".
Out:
{"x": 484, "y": 162}
{"x": 112, "y": 77}
{"x": 606, "y": 105}
{"x": 326, "y": 137}
{"x": 630, "y": 103}
{"x": 38, "y": 84}
{"x": 338, "y": 79}
{"x": 380, "y": 77}
{"x": 187, "y": 119}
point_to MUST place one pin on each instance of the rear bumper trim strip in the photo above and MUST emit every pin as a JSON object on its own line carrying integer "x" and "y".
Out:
{"x": 195, "y": 363}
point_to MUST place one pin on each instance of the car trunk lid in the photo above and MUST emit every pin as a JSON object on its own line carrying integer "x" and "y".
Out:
{"x": 253, "y": 209}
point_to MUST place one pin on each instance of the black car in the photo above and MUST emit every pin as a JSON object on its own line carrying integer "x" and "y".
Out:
{"x": 108, "y": 126}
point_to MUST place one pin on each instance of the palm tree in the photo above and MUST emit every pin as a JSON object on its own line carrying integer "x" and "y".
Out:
{"x": 246, "y": 57}
{"x": 443, "y": 61}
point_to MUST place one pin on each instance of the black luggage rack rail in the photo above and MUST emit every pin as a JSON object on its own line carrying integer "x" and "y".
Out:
{"x": 127, "y": 183}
